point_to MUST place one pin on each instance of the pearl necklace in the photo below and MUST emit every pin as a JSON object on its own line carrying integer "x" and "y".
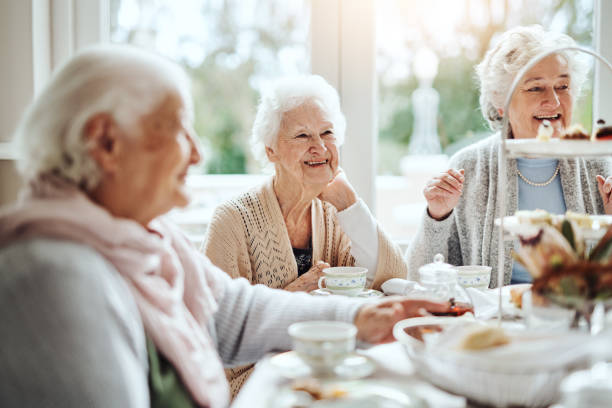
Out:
{"x": 531, "y": 183}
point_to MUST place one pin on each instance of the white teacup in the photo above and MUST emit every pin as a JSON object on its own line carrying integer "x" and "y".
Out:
{"x": 344, "y": 280}
{"x": 323, "y": 344}
{"x": 474, "y": 276}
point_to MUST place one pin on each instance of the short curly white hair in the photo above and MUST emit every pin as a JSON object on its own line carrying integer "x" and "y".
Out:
{"x": 286, "y": 94}
{"x": 513, "y": 50}
{"x": 123, "y": 81}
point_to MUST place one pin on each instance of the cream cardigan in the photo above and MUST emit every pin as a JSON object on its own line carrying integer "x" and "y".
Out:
{"x": 247, "y": 238}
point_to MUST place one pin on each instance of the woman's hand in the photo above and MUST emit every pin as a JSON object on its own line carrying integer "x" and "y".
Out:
{"x": 308, "y": 281}
{"x": 605, "y": 190}
{"x": 375, "y": 321}
{"x": 442, "y": 193}
{"x": 339, "y": 192}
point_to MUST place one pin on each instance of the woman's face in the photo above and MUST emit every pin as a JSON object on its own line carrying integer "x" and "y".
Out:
{"x": 544, "y": 93}
{"x": 153, "y": 163}
{"x": 306, "y": 149}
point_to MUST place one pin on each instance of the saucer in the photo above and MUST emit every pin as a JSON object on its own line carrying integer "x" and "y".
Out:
{"x": 354, "y": 366}
{"x": 367, "y": 293}
{"x": 351, "y": 393}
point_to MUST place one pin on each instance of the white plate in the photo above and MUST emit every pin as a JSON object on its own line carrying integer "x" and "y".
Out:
{"x": 354, "y": 366}
{"x": 513, "y": 226}
{"x": 357, "y": 394}
{"x": 558, "y": 148}
{"x": 367, "y": 293}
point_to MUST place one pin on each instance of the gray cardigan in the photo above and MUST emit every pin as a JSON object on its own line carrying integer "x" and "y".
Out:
{"x": 468, "y": 236}
{"x": 71, "y": 334}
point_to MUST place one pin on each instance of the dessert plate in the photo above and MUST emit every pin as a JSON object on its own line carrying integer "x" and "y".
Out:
{"x": 515, "y": 227}
{"x": 367, "y": 293}
{"x": 354, "y": 366}
{"x": 558, "y": 148}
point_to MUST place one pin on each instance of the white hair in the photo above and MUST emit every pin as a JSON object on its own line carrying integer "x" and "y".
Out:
{"x": 289, "y": 93}
{"x": 123, "y": 81}
{"x": 514, "y": 49}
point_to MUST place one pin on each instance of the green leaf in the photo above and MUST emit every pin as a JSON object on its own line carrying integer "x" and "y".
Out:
{"x": 603, "y": 249}
{"x": 568, "y": 286}
{"x": 568, "y": 233}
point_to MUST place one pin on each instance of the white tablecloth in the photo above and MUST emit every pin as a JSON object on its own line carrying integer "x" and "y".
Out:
{"x": 393, "y": 364}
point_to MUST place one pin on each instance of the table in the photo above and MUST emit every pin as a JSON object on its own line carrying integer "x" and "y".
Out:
{"x": 393, "y": 365}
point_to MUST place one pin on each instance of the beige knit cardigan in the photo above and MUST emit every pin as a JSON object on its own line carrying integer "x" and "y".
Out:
{"x": 247, "y": 237}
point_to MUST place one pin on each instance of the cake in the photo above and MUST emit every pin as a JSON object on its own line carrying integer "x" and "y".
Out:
{"x": 602, "y": 131}
{"x": 545, "y": 131}
{"x": 575, "y": 132}
{"x": 534, "y": 217}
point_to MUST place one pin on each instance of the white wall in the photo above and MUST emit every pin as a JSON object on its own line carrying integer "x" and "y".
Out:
{"x": 344, "y": 52}
{"x": 602, "y": 95}
{"x": 35, "y": 37}
{"x": 16, "y": 81}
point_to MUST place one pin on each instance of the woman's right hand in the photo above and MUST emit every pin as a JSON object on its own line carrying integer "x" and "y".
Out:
{"x": 442, "y": 193}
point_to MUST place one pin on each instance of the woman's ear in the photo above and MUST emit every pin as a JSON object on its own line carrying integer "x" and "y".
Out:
{"x": 102, "y": 137}
{"x": 272, "y": 156}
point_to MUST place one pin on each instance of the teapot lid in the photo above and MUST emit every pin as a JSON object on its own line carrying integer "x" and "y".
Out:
{"x": 438, "y": 269}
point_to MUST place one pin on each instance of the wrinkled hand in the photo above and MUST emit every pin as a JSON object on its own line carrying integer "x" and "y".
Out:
{"x": 308, "y": 281}
{"x": 339, "y": 192}
{"x": 605, "y": 191}
{"x": 443, "y": 192}
{"x": 375, "y": 321}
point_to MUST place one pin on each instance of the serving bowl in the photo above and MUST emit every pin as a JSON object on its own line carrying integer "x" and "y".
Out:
{"x": 527, "y": 372}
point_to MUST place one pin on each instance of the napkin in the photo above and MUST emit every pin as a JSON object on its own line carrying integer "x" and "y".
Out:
{"x": 400, "y": 287}
{"x": 486, "y": 303}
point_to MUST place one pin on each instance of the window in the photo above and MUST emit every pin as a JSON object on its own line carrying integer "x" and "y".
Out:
{"x": 229, "y": 48}
{"x": 428, "y": 97}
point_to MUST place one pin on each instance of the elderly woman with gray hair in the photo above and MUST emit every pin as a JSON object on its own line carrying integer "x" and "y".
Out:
{"x": 307, "y": 216}
{"x": 462, "y": 202}
{"x": 103, "y": 301}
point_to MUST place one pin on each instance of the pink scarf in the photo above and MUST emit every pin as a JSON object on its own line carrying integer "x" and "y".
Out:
{"x": 171, "y": 282}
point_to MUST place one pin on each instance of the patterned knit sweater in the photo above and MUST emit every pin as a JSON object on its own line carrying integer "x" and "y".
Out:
{"x": 248, "y": 238}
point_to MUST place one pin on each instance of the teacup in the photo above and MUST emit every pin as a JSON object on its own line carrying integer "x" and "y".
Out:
{"x": 474, "y": 276}
{"x": 344, "y": 280}
{"x": 323, "y": 344}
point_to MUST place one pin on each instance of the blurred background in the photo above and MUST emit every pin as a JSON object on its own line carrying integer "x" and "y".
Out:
{"x": 427, "y": 97}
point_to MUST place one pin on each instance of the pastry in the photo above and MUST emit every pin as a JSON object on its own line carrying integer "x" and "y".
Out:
{"x": 582, "y": 220}
{"x": 575, "y": 132}
{"x": 545, "y": 131}
{"x": 483, "y": 337}
{"x": 516, "y": 295}
{"x": 535, "y": 217}
{"x": 602, "y": 131}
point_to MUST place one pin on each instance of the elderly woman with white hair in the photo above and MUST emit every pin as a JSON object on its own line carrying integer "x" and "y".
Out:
{"x": 462, "y": 202}
{"x": 307, "y": 216}
{"x": 103, "y": 301}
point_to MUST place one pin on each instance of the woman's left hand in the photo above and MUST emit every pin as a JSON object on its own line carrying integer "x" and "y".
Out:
{"x": 308, "y": 281}
{"x": 605, "y": 190}
{"x": 339, "y": 192}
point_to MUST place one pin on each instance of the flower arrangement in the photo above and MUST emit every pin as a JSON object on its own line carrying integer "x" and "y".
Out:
{"x": 564, "y": 270}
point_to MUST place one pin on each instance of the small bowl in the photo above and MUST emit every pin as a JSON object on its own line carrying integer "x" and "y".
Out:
{"x": 474, "y": 276}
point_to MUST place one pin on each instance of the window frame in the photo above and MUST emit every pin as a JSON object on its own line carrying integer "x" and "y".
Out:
{"x": 41, "y": 34}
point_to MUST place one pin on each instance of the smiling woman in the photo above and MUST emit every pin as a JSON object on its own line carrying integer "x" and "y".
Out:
{"x": 461, "y": 202}
{"x": 307, "y": 216}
